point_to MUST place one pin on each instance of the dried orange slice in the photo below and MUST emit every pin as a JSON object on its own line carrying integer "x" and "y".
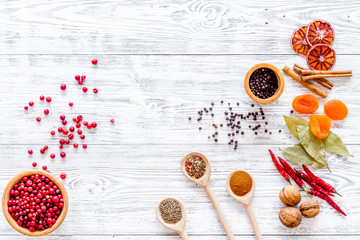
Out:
{"x": 321, "y": 57}
{"x": 299, "y": 42}
{"x": 320, "y": 32}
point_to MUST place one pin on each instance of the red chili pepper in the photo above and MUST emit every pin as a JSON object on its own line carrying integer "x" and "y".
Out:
{"x": 293, "y": 175}
{"x": 328, "y": 200}
{"x": 312, "y": 184}
{"x": 319, "y": 181}
{"x": 280, "y": 169}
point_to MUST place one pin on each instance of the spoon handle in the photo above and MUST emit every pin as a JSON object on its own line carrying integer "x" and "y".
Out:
{"x": 183, "y": 235}
{"x": 253, "y": 221}
{"x": 220, "y": 214}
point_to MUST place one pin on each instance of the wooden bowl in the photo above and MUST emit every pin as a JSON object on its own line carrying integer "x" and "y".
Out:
{"x": 281, "y": 83}
{"x": 6, "y": 197}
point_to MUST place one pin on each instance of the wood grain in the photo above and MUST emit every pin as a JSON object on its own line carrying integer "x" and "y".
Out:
{"x": 169, "y": 27}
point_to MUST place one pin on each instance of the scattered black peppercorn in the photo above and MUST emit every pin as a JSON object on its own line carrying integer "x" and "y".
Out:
{"x": 291, "y": 111}
{"x": 189, "y": 118}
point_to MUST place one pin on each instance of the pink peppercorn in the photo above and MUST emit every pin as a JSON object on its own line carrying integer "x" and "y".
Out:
{"x": 80, "y": 82}
{"x": 38, "y": 119}
{"x": 93, "y": 124}
{"x": 34, "y": 164}
{"x": 94, "y": 61}
{"x": 44, "y": 167}
{"x": 42, "y": 151}
{"x": 112, "y": 120}
{"x": 77, "y": 77}
{"x": 71, "y": 129}
{"x": 65, "y": 132}
{"x": 62, "y": 117}
{"x": 85, "y": 89}
{"x": 46, "y": 111}
{"x": 26, "y": 108}
{"x": 62, "y": 154}
{"x": 48, "y": 99}
{"x": 64, "y": 122}
{"x": 95, "y": 90}
{"x": 42, "y": 98}
{"x": 82, "y": 137}
{"x": 60, "y": 129}
{"x": 75, "y": 145}
{"x": 52, "y": 155}
{"x": 84, "y": 145}
{"x": 30, "y": 151}
{"x": 78, "y": 125}
{"x": 71, "y": 104}
{"x": 83, "y": 77}
{"x": 52, "y": 133}
{"x": 79, "y": 131}
{"x": 71, "y": 136}
{"x": 31, "y": 103}
{"x": 63, "y": 87}
{"x": 61, "y": 146}
{"x": 63, "y": 175}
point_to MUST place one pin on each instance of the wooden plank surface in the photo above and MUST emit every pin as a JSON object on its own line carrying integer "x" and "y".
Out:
{"x": 159, "y": 63}
{"x": 169, "y": 27}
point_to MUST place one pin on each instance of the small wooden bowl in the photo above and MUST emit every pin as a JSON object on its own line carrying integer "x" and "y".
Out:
{"x": 281, "y": 83}
{"x": 6, "y": 197}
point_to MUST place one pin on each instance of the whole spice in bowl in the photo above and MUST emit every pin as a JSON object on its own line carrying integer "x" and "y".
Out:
{"x": 241, "y": 183}
{"x": 35, "y": 203}
{"x": 264, "y": 83}
{"x": 170, "y": 210}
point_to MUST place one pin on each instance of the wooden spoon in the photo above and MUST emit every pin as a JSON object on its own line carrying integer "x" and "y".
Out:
{"x": 178, "y": 227}
{"x": 204, "y": 181}
{"x": 246, "y": 201}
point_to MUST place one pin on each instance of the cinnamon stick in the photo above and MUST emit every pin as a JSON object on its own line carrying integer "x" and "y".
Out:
{"x": 323, "y": 82}
{"x": 321, "y": 79}
{"x": 308, "y": 85}
{"x": 312, "y": 77}
{"x": 314, "y": 72}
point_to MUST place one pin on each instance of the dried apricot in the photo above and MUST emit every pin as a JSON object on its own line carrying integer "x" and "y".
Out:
{"x": 305, "y": 103}
{"x": 320, "y": 125}
{"x": 336, "y": 110}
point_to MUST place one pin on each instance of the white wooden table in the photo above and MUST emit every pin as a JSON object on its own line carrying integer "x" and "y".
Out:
{"x": 159, "y": 63}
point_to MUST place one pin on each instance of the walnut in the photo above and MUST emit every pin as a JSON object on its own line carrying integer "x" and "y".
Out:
{"x": 309, "y": 209}
{"x": 290, "y": 216}
{"x": 290, "y": 196}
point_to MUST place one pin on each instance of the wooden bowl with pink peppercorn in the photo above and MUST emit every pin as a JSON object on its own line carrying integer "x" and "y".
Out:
{"x": 35, "y": 203}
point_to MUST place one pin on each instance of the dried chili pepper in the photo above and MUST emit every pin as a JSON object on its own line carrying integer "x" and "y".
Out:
{"x": 319, "y": 181}
{"x": 280, "y": 169}
{"x": 293, "y": 175}
{"x": 327, "y": 199}
{"x": 312, "y": 184}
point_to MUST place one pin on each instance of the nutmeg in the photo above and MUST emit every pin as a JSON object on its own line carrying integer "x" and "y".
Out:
{"x": 309, "y": 209}
{"x": 290, "y": 216}
{"x": 290, "y": 196}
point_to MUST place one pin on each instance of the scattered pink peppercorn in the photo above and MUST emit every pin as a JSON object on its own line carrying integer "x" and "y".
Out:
{"x": 52, "y": 155}
{"x": 84, "y": 145}
{"x": 48, "y": 99}
{"x": 112, "y": 120}
{"x": 85, "y": 123}
{"x": 77, "y": 77}
{"x": 46, "y": 111}
{"x": 30, "y": 151}
{"x": 34, "y": 164}
{"x": 82, "y": 137}
{"x": 46, "y": 147}
{"x": 93, "y": 124}
{"x": 64, "y": 122}
{"x": 95, "y": 90}
{"x": 71, "y": 104}
{"x": 74, "y": 119}
{"x": 38, "y": 119}
{"x": 80, "y": 82}
{"x": 60, "y": 129}
{"x": 42, "y": 151}
{"x": 52, "y": 133}
{"x": 62, "y": 154}
{"x": 78, "y": 125}
{"x": 62, "y": 141}
{"x": 42, "y": 97}
{"x": 88, "y": 126}
{"x": 65, "y": 132}
{"x": 94, "y": 61}
{"x": 71, "y": 136}
{"x": 63, "y": 87}
{"x": 61, "y": 146}
{"x": 71, "y": 129}
{"x": 79, "y": 131}
{"x": 85, "y": 89}
{"x": 63, "y": 175}
{"x": 83, "y": 77}
{"x": 26, "y": 108}
{"x": 79, "y": 118}
{"x": 67, "y": 141}
{"x": 31, "y": 103}
{"x": 44, "y": 167}
{"x": 62, "y": 117}
{"x": 75, "y": 145}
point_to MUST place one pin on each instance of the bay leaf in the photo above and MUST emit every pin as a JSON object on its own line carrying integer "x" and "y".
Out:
{"x": 299, "y": 156}
{"x": 312, "y": 145}
{"x": 292, "y": 123}
{"x": 333, "y": 144}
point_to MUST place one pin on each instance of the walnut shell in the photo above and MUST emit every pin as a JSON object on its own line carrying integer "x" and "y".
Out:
{"x": 309, "y": 209}
{"x": 290, "y": 216}
{"x": 290, "y": 196}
